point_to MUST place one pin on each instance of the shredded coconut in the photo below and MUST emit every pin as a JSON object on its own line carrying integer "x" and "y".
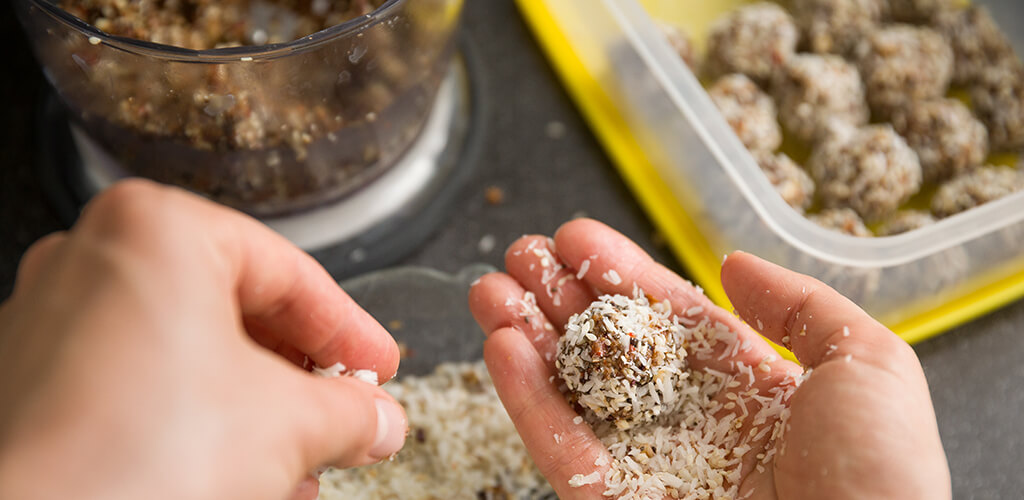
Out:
{"x": 580, "y": 480}
{"x": 611, "y": 276}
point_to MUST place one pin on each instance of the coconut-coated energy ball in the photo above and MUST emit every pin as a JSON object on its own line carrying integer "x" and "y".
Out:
{"x": 813, "y": 90}
{"x": 835, "y": 26}
{"x": 905, "y": 221}
{"x": 754, "y": 40}
{"x": 976, "y": 40}
{"x": 842, "y": 220}
{"x": 790, "y": 181}
{"x": 948, "y": 139}
{"x": 918, "y": 11}
{"x": 681, "y": 43}
{"x": 623, "y": 359}
{"x": 901, "y": 64}
{"x": 748, "y": 110}
{"x": 871, "y": 170}
{"x": 998, "y": 99}
{"x": 976, "y": 188}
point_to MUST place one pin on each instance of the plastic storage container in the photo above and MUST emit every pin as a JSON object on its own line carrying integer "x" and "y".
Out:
{"x": 707, "y": 194}
{"x": 268, "y": 129}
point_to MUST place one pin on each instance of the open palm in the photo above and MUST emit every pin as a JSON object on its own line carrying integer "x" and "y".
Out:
{"x": 861, "y": 425}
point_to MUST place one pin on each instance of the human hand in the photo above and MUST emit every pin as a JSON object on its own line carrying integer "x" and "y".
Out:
{"x": 860, "y": 426}
{"x": 156, "y": 350}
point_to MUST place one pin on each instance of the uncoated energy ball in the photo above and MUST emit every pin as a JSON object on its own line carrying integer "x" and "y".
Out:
{"x": 623, "y": 359}
{"x": 998, "y": 100}
{"x": 842, "y": 220}
{"x": 835, "y": 26}
{"x": 901, "y": 64}
{"x": 976, "y": 40}
{"x": 753, "y": 40}
{"x": 790, "y": 181}
{"x": 814, "y": 90}
{"x": 976, "y": 188}
{"x": 946, "y": 136}
{"x": 749, "y": 111}
{"x": 871, "y": 170}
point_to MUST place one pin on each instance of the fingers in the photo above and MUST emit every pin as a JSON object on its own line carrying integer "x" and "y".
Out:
{"x": 307, "y": 489}
{"x": 282, "y": 292}
{"x": 345, "y": 422}
{"x": 814, "y": 321}
{"x": 498, "y": 301}
{"x": 533, "y": 262}
{"x": 615, "y": 264}
{"x": 38, "y": 257}
{"x": 560, "y": 447}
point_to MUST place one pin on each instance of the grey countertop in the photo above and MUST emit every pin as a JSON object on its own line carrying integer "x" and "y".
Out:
{"x": 540, "y": 153}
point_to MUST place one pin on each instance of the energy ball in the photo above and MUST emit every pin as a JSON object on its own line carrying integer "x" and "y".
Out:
{"x": 623, "y": 359}
{"x": 835, "y": 26}
{"x": 749, "y": 111}
{"x": 976, "y": 188}
{"x": 813, "y": 90}
{"x": 905, "y": 221}
{"x": 977, "y": 42}
{"x": 871, "y": 170}
{"x": 682, "y": 43}
{"x": 998, "y": 100}
{"x": 753, "y": 40}
{"x": 948, "y": 139}
{"x": 901, "y": 64}
{"x": 918, "y": 11}
{"x": 842, "y": 220}
{"x": 791, "y": 182}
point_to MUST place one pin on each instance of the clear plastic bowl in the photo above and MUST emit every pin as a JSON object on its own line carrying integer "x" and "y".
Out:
{"x": 268, "y": 129}
{"x": 657, "y": 109}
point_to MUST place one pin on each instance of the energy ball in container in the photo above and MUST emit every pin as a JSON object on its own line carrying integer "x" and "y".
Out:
{"x": 901, "y": 64}
{"x": 977, "y": 42}
{"x": 918, "y": 11}
{"x": 905, "y": 221}
{"x": 975, "y": 188}
{"x": 623, "y": 359}
{"x": 842, "y": 220}
{"x": 871, "y": 170}
{"x": 948, "y": 139}
{"x": 812, "y": 90}
{"x": 753, "y": 40}
{"x": 682, "y": 43}
{"x": 835, "y": 26}
{"x": 749, "y": 111}
{"x": 998, "y": 100}
{"x": 791, "y": 182}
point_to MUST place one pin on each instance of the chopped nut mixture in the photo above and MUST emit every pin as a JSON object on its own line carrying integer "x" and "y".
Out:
{"x": 918, "y": 11}
{"x": 681, "y": 42}
{"x": 998, "y": 100}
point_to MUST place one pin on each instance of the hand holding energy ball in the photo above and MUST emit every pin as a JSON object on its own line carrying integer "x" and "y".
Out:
{"x": 861, "y": 425}
{"x": 156, "y": 351}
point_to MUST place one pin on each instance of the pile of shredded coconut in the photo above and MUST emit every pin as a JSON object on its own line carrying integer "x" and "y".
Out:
{"x": 461, "y": 444}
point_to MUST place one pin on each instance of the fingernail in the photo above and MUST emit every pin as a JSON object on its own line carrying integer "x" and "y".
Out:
{"x": 391, "y": 429}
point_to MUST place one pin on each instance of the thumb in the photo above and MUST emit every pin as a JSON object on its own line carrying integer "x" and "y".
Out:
{"x": 348, "y": 423}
